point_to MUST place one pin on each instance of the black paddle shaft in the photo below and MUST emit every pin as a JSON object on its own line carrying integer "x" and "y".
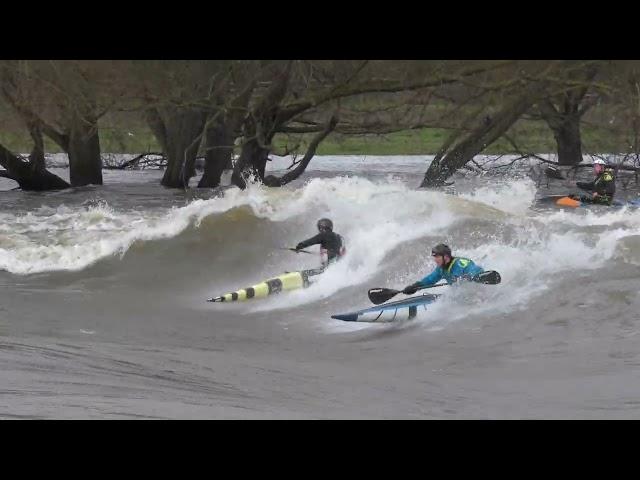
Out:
{"x": 381, "y": 295}
{"x": 296, "y": 251}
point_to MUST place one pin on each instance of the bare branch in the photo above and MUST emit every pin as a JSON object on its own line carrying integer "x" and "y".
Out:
{"x": 272, "y": 181}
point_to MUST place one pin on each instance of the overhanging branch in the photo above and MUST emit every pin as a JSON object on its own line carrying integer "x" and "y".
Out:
{"x": 273, "y": 181}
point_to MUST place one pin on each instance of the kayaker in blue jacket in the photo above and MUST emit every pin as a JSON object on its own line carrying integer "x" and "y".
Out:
{"x": 449, "y": 267}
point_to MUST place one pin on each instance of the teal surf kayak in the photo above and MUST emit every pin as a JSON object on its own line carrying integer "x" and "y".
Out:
{"x": 389, "y": 312}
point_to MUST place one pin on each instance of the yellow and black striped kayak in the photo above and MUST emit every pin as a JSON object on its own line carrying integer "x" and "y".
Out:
{"x": 286, "y": 281}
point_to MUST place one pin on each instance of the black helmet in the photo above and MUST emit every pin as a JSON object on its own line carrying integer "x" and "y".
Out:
{"x": 441, "y": 249}
{"x": 325, "y": 224}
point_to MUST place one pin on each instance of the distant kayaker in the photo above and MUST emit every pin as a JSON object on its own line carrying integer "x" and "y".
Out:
{"x": 603, "y": 187}
{"x": 331, "y": 244}
{"x": 448, "y": 267}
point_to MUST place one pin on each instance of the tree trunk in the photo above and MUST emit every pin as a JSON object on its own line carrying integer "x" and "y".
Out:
{"x": 446, "y": 164}
{"x": 252, "y": 161}
{"x": 564, "y": 120}
{"x": 568, "y": 141}
{"x": 28, "y": 175}
{"x": 219, "y": 150}
{"x": 565, "y": 125}
{"x": 259, "y": 129}
{"x": 36, "y": 157}
{"x": 220, "y": 138}
{"x": 85, "y": 163}
{"x": 177, "y": 130}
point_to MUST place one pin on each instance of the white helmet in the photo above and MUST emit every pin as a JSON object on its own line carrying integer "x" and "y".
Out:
{"x": 599, "y": 161}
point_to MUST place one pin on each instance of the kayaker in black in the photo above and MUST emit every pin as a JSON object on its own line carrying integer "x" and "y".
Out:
{"x": 603, "y": 187}
{"x": 331, "y": 244}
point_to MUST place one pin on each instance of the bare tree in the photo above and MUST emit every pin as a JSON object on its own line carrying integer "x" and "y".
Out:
{"x": 461, "y": 148}
{"x": 282, "y": 108}
{"x": 182, "y": 102}
{"x": 63, "y": 99}
{"x": 564, "y": 110}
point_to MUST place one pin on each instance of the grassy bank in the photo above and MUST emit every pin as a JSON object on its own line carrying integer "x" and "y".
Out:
{"x": 530, "y": 136}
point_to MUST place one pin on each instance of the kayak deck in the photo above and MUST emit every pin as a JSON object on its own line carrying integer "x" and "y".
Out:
{"x": 405, "y": 309}
{"x": 286, "y": 281}
{"x": 566, "y": 201}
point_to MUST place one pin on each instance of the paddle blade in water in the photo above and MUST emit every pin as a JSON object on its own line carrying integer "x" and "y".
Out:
{"x": 553, "y": 172}
{"x": 381, "y": 295}
{"x": 489, "y": 278}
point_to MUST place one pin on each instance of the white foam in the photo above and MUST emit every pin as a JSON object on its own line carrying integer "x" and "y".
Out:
{"x": 513, "y": 196}
{"x": 375, "y": 217}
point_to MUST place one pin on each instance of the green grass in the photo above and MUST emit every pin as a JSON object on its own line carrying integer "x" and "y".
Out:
{"x": 530, "y": 136}
{"x": 111, "y": 141}
{"x": 19, "y": 142}
{"x": 534, "y": 138}
{"x": 121, "y": 141}
{"x": 411, "y": 142}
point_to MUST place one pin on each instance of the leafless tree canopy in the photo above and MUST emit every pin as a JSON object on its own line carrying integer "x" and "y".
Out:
{"x": 235, "y": 114}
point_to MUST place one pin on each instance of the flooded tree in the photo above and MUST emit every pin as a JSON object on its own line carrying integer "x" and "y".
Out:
{"x": 237, "y": 114}
{"x": 63, "y": 100}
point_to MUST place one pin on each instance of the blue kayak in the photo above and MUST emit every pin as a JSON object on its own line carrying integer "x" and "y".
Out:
{"x": 388, "y": 312}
